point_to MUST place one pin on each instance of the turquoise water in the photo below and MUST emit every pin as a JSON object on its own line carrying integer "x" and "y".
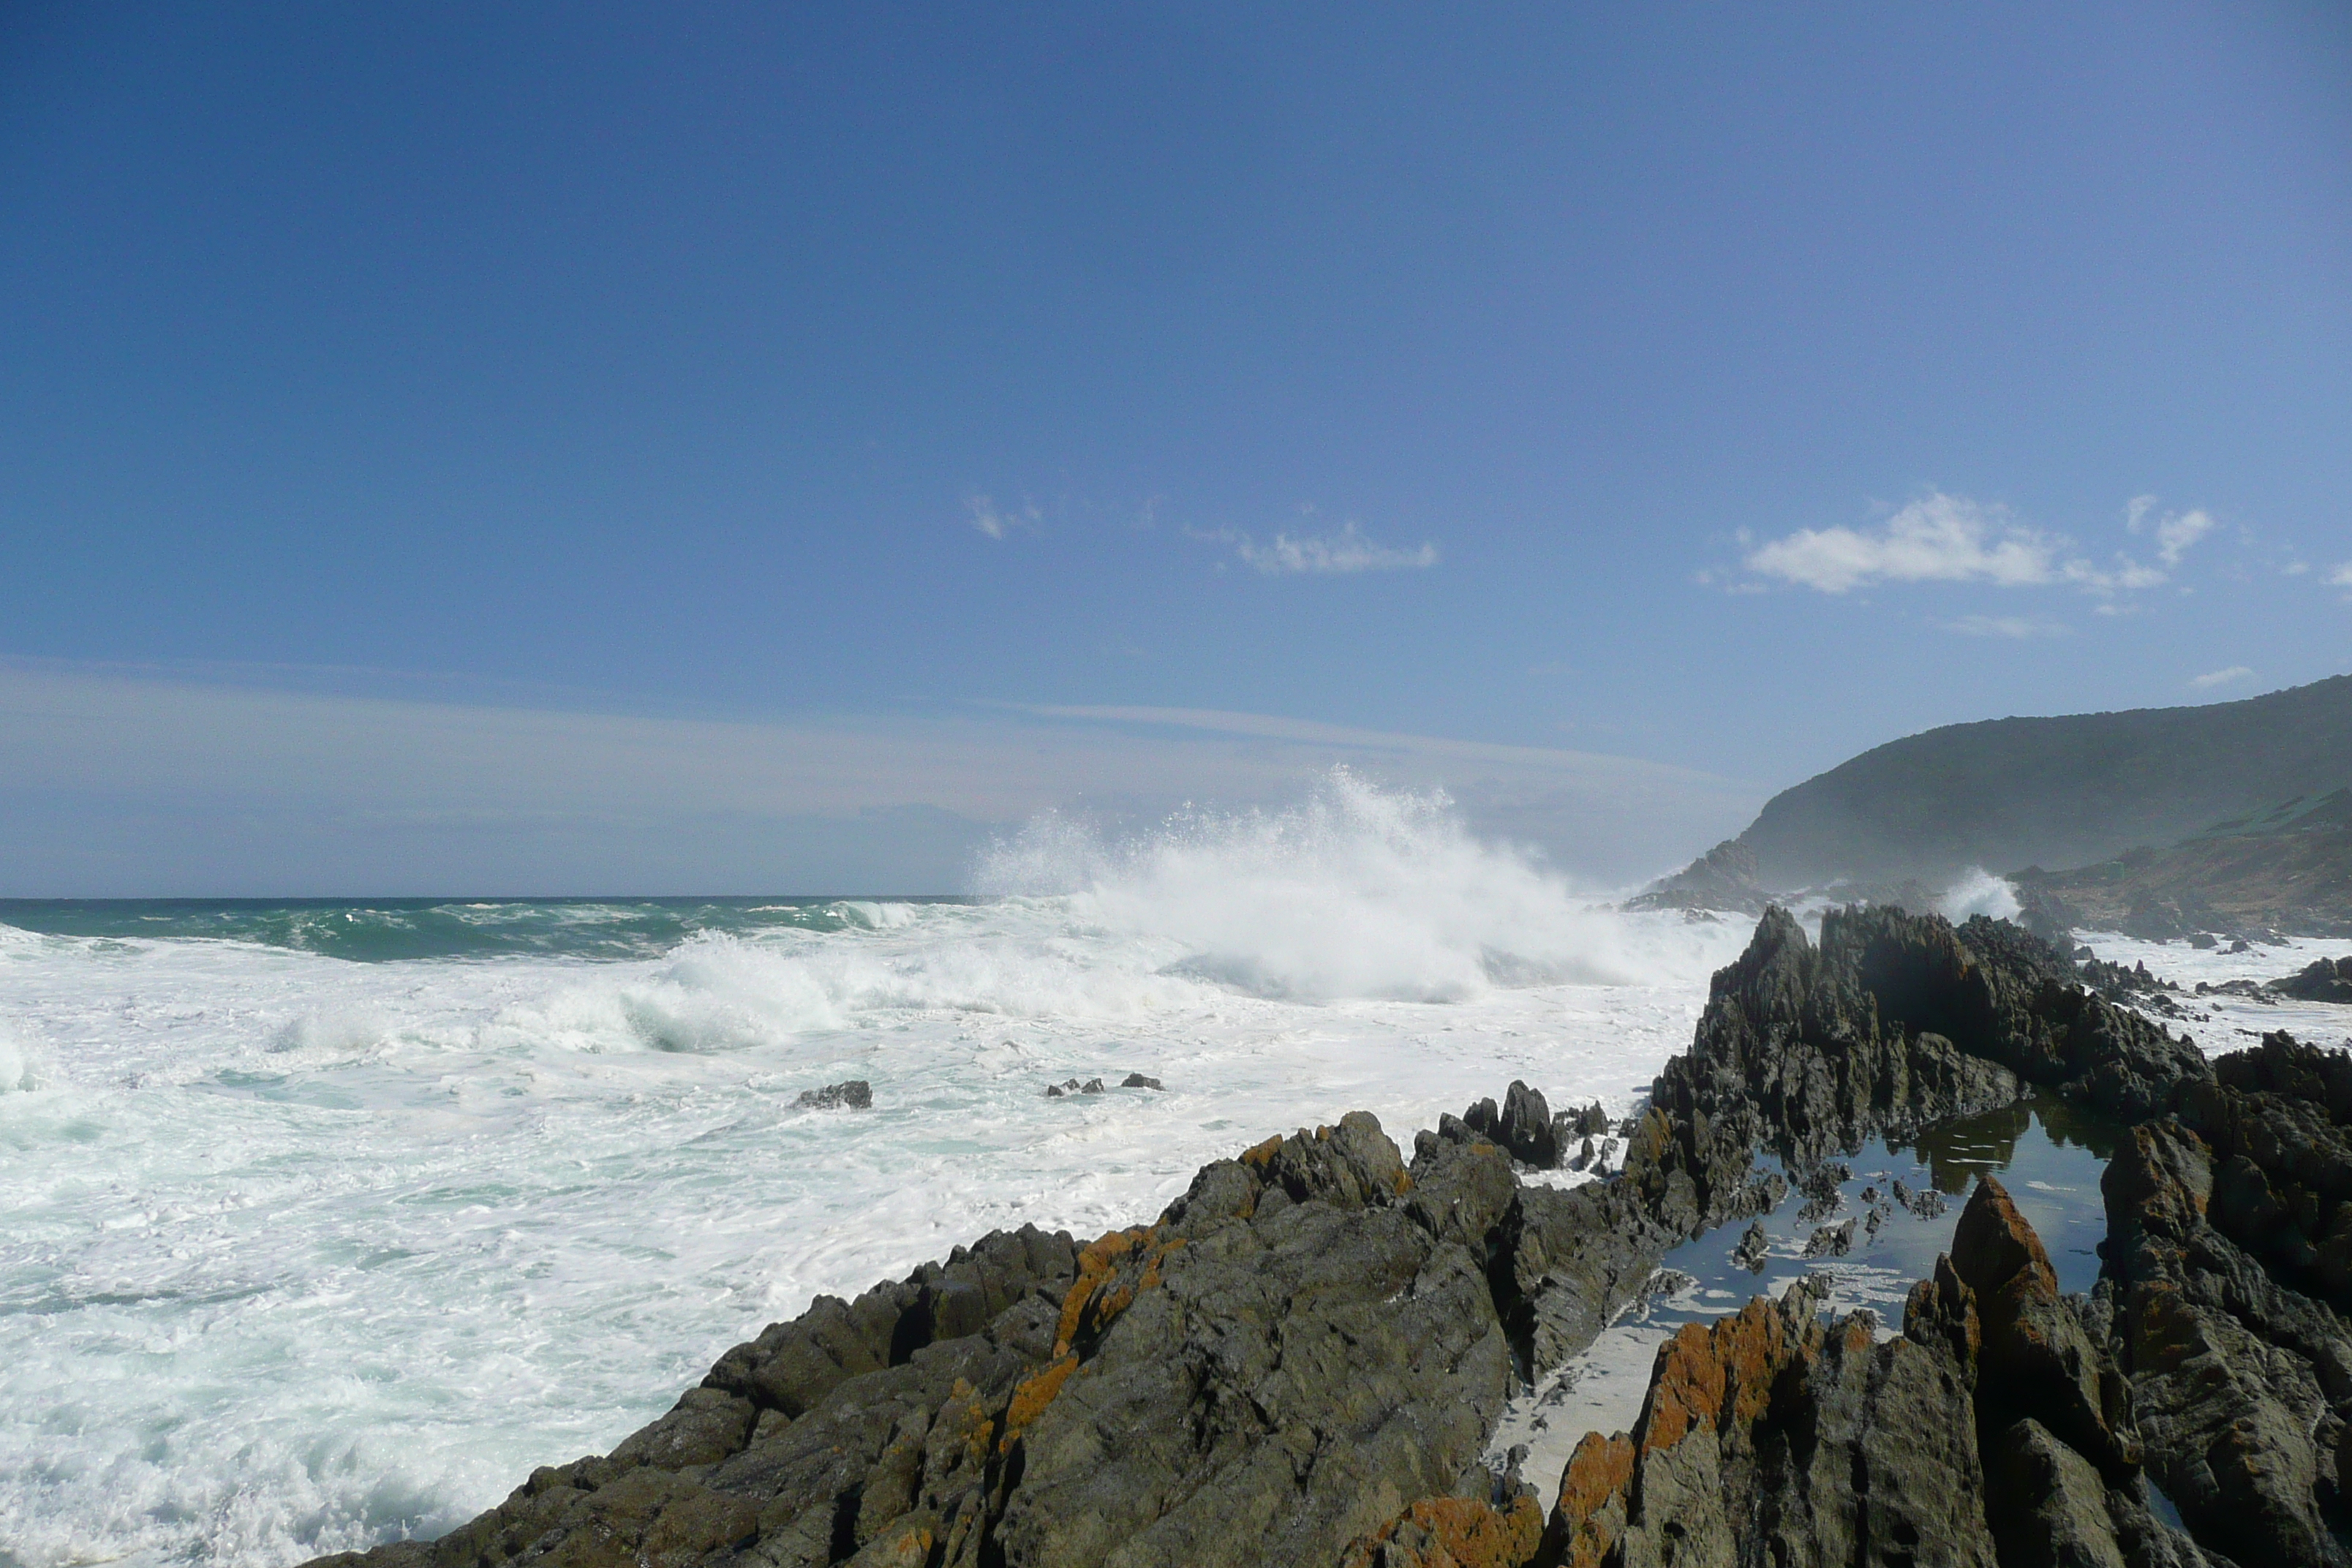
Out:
{"x": 391, "y": 931}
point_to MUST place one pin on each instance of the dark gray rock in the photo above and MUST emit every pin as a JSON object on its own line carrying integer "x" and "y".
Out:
{"x": 1830, "y": 1240}
{"x": 1525, "y": 1128}
{"x": 1137, "y": 1081}
{"x": 856, "y": 1094}
{"x": 2323, "y": 979}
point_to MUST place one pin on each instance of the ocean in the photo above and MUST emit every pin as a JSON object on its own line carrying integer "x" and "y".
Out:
{"x": 327, "y": 1221}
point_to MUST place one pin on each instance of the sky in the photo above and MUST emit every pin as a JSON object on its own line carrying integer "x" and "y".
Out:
{"x": 707, "y": 448}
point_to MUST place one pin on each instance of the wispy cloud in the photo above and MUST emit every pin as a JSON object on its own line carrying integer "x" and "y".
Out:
{"x": 2222, "y": 678}
{"x": 1942, "y": 538}
{"x": 2005, "y": 627}
{"x": 1347, "y": 551}
{"x": 996, "y": 522}
{"x": 2340, "y": 576}
{"x": 2174, "y": 531}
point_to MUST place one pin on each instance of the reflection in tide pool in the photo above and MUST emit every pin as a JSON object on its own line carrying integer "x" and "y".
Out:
{"x": 2047, "y": 1154}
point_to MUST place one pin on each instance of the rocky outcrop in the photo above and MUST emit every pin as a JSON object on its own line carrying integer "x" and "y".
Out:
{"x": 1723, "y": 879}
{"x": 1895, "y": 1020}
{"x": 1994, "y": 1430}
{"x": 2229, "y": 1241}
{"x": 1305, "y": 1345}
{"x": 2323, "y": 979}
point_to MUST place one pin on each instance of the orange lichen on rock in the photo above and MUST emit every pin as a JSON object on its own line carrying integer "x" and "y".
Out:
{"x": 1589, "y": 1516}
{"x": 1453, "y": 1532}
{"x": 1032, "y": 1395}
{"x": 1104, "y": 1288}
{"x": 1708, "y": 1378}
{"x": 1259, "y": 1155}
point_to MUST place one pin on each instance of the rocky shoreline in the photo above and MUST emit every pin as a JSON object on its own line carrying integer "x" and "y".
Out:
{"x": 1302, "y": 1359}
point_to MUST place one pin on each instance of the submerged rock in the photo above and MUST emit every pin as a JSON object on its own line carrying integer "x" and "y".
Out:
{"x": 1137, "y": 1081}
{"x": 856, "y": 1093}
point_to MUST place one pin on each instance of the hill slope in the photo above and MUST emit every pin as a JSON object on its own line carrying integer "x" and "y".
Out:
{"x": 2008, "y": 793}
{"x": 2288, "y": 869}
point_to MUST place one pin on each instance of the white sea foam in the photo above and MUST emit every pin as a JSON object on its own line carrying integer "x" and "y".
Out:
{"x": 304, "y": 1253}
{"x": 1976, "y": 891}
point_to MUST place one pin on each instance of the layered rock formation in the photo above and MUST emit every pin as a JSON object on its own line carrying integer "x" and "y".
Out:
{"x": 1299, "y": 1362}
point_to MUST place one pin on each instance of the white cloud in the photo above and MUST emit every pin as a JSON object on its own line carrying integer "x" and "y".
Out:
{"x": 2220, "y": 678}
{"x": 1347, "y": 551}
{"x": 2340, "y": 576}
{"x": 1937, "y": 539}
{"x": 996, "y": 522}
{"x": 2004, "y": 627}
{"x": 2174, "y": 531}
{"x": 1943, "y": 538}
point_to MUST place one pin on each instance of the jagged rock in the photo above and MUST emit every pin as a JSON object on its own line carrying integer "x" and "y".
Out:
{"x": 1830, "y": 1240}
{"x": 1525, "y": 1128}
{"x": 1092, "y": 1086}
{"x": 2241, "y": 1382}
{"x": 1767, "y": 1437}
{"x": 1755, "y": 1247}
{"x": 2036, "y": 1359}
{"x": 1137, "y": 1081}
{"x": 1453, "y": 1532}
{"x": 856, "y": 1093}
{"x": 2324, "y": 980}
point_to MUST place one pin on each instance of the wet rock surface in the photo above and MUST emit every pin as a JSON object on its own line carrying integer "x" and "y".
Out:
{"x": 856, "y": 1094}
{"x": 1300, "y": 1359}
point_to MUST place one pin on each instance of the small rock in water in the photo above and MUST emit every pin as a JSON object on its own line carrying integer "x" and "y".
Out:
{"x": 1753, "y": 1245}
{"x": 1830, "y": 1241}
{"x": 1137, "y": 1081}
{"x": 1583, "y": 1157}
{"x": 1054, "y": 1091}
{"x": 856, "y": 1093}
{"x": 1928, "y": 1204}
{"x": 1093, "y": 1086}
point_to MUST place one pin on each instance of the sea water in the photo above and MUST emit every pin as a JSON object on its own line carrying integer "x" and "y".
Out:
{"x": 325, "y": 1223}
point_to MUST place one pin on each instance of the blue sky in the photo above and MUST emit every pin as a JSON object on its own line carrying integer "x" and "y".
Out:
{"x": 1469, "y": 398}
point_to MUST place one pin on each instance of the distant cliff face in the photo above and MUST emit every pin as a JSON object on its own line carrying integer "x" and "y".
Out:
{"x": 2011, "y": 792}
